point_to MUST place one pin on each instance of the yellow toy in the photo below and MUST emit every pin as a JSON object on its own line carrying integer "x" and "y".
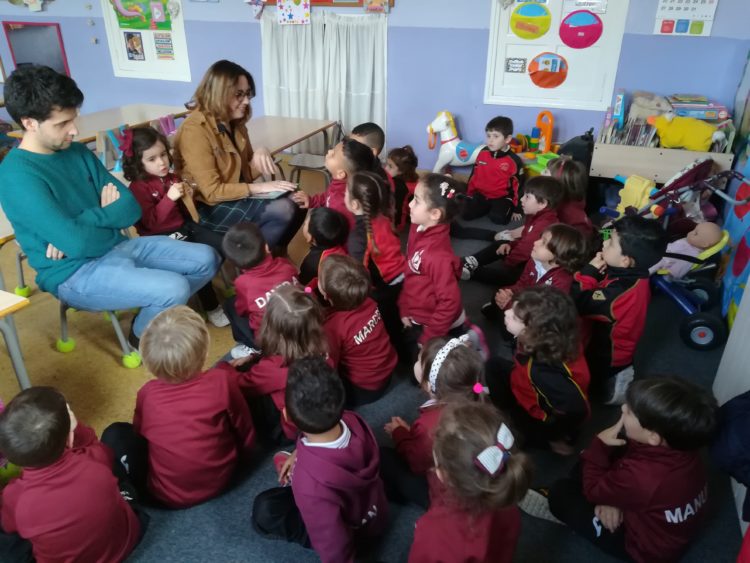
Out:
{"x": 685, "y": 132}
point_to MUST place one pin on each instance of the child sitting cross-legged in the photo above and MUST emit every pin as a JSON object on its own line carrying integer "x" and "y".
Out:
{"x": 479, "y": 478}
{"x": 541, "y": 195}
{"x": 335, "y": 503}
{"x": 544, "y": 389}
{"x": 448, "y": 371}
{"x": 292, "y": 328}
{"x": 326, "y": 231}
{"x": 612, "y": 294}
{"x": 574, "y": 180}
{"x": 262, "y": 274}
{"x": 355, "y": 329}
{"x": 191, "y": 428}
{"x": 67, "y": 502}
{"x": 640, "y": 491}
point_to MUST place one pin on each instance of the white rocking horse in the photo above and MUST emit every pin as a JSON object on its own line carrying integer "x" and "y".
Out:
{"x": 453, "y": 151}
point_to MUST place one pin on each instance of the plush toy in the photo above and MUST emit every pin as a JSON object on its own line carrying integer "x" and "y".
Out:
{"x": 646, "y": 104}
{"x": 685, "y": 132}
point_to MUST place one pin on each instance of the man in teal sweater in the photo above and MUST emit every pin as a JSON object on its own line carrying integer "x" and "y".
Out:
{"x": 67, "y": 212}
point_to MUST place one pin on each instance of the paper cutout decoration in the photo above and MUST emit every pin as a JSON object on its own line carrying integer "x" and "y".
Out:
{"x": 548, "y": 70}
{"x": 515, "y": 65}
{"x": 293, "y": 12}
{"x": 581, "y": 29}
{"x": 530, "y": 20}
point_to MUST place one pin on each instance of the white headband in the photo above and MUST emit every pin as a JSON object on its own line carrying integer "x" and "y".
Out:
{"x": 440, "y": 358}
{"x": 493, "y": 459}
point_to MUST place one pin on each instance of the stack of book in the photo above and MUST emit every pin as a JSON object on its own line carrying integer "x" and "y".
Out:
{"x": 699, "y": 107}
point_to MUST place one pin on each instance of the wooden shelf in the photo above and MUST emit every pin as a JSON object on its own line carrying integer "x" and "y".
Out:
{"x": 655, "y": 163}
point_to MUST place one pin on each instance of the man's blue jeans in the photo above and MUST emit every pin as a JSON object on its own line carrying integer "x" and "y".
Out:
{"x": 153, "y": 273}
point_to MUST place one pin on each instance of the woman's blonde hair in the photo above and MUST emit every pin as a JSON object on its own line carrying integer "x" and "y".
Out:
{"x": 292, "y": 326}
{"x": 174, "y": 345}
{"x": 216, "y": 87}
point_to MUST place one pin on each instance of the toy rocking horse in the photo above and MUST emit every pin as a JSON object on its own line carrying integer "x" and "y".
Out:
{"x": 453, "y": 151}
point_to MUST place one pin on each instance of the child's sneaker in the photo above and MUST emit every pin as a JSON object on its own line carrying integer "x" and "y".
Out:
{"x": 218, "y": 318}
{"x": 478, "y": 341}
{"x": 241, "y": 351}
{"x": 618, "y": 385}
{"x": 468, "y": 265}
{"x": 490, "y": 310}
{"x": 536, "y": 504}
{"x": 279, "y": 459}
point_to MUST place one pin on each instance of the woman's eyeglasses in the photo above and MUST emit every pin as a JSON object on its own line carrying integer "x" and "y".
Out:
{"x": 240, "y": 95}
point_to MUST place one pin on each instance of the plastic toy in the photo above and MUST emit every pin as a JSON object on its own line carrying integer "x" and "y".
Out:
{"x": 685, "y": 132}
{"x": 453, "y": 151}
{"x": 545, "y": 123}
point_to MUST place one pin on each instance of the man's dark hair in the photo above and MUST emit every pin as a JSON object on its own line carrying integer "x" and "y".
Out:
{"x": 643, "y": 240}
{"x": 503, "y": 125}
{"x": 328, "y": 227}
{"x": 314, "y": 395}
{"x": 681, "y": 413}
{"x": 545, "y": 189}
{"x": 34, "y": 427}
{"x": 372, "y": 134}
{"x": 244, "y": 245}
{"x": 36, "y": 91}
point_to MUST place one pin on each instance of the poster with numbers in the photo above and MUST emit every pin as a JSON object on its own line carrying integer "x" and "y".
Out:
{"x": 685, "y": 17}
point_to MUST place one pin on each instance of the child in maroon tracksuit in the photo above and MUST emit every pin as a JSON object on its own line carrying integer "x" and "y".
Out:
{"x": 642, "y": 498}
{"x": 336, "y": 499}
{"x": 67, "y": 503}
{"x": 261, "y": 275}
{"x": 402, "y": 166}
{"x": 430, "y": 300}
{"x": 574, "y": 180}
{"x": 355, "y": 329}
{"x": 612, "y": 294}
{"x": 326, "y": 231}
{"x": 374, "y": 242}
{"x": 480, "y": 477}
{"x": 541, "y": 195}
{"x": 191, "y": 428}
{"x": 448, "y": 371}
{"x": 545, "y": 388}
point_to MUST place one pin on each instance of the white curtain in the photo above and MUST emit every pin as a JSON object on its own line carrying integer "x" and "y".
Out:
{"x": 334, "y": 68}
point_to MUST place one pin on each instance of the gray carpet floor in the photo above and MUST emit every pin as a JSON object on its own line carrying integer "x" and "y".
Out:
{"x": 220, "y": 530}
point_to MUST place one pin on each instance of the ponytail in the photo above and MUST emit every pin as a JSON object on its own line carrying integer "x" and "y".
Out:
{"x": 374, "y": 195}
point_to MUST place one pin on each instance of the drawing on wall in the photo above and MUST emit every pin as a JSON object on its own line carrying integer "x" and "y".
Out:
{"x": 134, "y": 46}
{"x": 530, "y": 20}
{"x": 151, "y": 14}
{"x": 581, "y": 29}
{"x": 548, "y": 70}
{"x": 685, "y": 17}
{"x": 293, "y": 12}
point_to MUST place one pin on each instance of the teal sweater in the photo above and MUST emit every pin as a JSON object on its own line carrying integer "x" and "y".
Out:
{"x": 56, "y": 198}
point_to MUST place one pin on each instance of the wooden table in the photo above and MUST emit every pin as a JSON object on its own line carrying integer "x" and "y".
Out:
{"x": 9, "y": 304}
{"x": 279, "y": 133}
{"x": 132, "y": 115}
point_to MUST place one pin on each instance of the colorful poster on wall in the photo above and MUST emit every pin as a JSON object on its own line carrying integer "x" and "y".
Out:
{"x": 293, "y": 12}
{"x": 548, "y": 70}
{"x": 581, "y": 29}
{"x": 163, "y": 45}
{"x": 530, "y": 20}
{"x": 134, "y": 46}
{"x": 152, "y": 14}
{"x": 685, "y": 17}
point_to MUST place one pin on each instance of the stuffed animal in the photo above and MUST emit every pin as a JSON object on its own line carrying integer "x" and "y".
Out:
{"x": 646, "y": 104}
{"x": 685, "y": 132}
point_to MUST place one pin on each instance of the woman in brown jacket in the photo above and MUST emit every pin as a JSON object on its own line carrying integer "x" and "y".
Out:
{"x": 214, "y": 155}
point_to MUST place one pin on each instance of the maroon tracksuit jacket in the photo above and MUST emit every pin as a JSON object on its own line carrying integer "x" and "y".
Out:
{"x": 255, "y": 286}
{"x": 415, "y": 444}
{"x": 533, "y": 227}
{"x": 159, "y": 214}
{"x": 333, "y": 198}
{"x": 556, "y": 277}
{"x": 496, "y": 175}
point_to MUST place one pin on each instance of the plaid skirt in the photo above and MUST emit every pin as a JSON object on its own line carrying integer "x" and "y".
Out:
{"x": 220, "y": 217}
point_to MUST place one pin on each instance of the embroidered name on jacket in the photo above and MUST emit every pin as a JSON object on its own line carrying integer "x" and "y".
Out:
{"x": 680, "y": 514}
{"x": 262, "y": 301}
{"x": 362, "y": 335}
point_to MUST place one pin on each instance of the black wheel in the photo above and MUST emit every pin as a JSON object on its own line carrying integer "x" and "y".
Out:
{"x": 705, "y": 291}
{"x": 703, "y": 331}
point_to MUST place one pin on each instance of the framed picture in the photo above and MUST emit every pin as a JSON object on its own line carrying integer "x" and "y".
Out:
{"x": 33, "y": 43}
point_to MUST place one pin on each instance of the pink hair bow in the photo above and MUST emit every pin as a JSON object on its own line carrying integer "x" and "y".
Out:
{"x": 492, "y": 460}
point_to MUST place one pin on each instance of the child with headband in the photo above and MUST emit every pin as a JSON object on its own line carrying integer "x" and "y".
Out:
{"x": 447, "y": 370}
{"x": 479, "y": 478}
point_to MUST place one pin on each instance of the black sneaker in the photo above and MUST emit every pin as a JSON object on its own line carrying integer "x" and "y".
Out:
{"x": 468, "y": 265}
{"x": 490, "y": 310}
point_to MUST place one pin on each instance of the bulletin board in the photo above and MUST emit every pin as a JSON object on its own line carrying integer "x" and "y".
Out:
{"x": 147, "y": 39}
{"x": 554, "y": 53}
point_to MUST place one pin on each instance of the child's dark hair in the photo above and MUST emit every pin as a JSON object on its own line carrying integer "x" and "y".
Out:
{"x": 641, "y": 239}
{"x": 458, "y": 375}
{"x": 36, "y": 91}
{"x": 374, "y": 195}
{"x": 244, "y": 245}
{"x": 682, "y": 413}
{"x": 551, "y": 334}
{"x": 573, "y": 177}
{"x": 344, "y": 281}
{"x": 545, "y": 189}
{"x": 372, "y": 134}
{"x": 464, "y": 431}
{"x": 314, "y": 396}
{"x": 444, "y": 193}
{"x": 143, "y": 139}
{"x": 503, "y": 125}
{"x": 327, "y": 227}
{"x": 406, "y": 161}
{"x": 34, "y": 427}
{"x": 292, "y": 326}
{"x": 568, "y": 245}
{"x": 359, "y": 158}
